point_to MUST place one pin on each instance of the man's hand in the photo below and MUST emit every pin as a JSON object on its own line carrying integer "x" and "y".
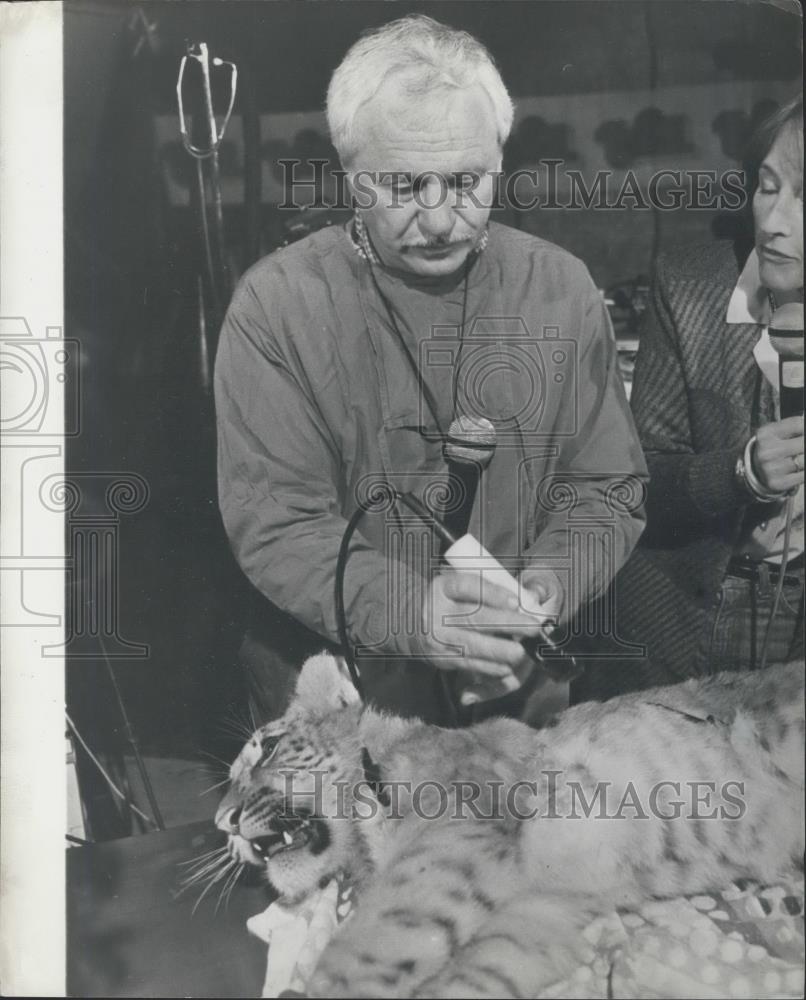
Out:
{"x": 777, "y": 458}
{"x": 545, "y": 585}
{"x": 477, "y": 616}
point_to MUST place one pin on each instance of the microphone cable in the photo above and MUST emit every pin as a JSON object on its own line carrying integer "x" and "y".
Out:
{"x": 422, "y": 512}
{"x": 423, "y": 386}
{"x": 779, "y": 589}
{"x": 531, "y": 645}
{"x": 341, "y": 614}
{"x": 430, "y": 400}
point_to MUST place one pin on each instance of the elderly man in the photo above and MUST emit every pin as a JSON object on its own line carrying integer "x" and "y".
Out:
{"x": 345, "y": 359}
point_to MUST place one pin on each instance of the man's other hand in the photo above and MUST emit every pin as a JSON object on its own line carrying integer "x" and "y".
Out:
{"x": 544, "y": 586}
{"x": 482, "y": 619}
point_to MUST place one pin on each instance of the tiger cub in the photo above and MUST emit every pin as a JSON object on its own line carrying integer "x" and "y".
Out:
{"x": 480, "y": 855}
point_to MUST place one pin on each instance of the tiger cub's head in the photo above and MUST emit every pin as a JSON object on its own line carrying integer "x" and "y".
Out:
{"x": 289, "y": 807}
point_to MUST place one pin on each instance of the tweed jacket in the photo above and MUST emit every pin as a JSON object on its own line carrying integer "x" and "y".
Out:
{"x": 698, "y": 396}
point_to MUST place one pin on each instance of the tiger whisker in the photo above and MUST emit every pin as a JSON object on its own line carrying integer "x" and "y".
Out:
{"x": 208, "y": 771}
{"x": 212, "y": 788}
{"x": 210, "y": 867}
{"x": 216, "y": 878}
{"x": 218, "y": 760}
{"x": 196, "y": 879}
{"x": 207, "y": 866}
{"x": 203, "y": 867}
{"x": 229, "y": 884}
{"x": 239, "y": 731}
{"x": 232, "y": 886}
{"x": 238, "y": 724}
{"x": 204, "y": 857}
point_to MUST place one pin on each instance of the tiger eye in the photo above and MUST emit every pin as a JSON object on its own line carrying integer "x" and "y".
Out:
{"x": 268, "y": 746}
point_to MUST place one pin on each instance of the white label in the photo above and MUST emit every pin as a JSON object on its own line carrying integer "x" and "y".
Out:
{"x": 792, "y": 374}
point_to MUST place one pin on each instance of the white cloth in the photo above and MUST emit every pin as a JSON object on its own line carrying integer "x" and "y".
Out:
{"x": 297, "y": 935}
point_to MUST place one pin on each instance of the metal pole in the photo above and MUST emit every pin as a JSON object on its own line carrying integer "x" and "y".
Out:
{"x": 132, "y": 739}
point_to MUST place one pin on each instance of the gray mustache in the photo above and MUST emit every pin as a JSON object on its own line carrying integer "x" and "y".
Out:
{"x": 434, "y": 244}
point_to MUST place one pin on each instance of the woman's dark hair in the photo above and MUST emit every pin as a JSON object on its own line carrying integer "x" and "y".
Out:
{"x": 764, "y": 138}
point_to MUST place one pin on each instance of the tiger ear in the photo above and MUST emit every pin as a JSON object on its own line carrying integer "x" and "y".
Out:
{"x": 324, "y": 685}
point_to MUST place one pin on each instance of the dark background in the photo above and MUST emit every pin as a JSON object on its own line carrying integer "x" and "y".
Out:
{"x": 616, "y": 85}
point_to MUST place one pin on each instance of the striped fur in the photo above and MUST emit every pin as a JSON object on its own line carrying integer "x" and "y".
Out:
{"x": 474, "y": 907}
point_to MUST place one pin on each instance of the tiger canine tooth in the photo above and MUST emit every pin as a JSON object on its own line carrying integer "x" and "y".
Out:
{"x": 287, "y": 840}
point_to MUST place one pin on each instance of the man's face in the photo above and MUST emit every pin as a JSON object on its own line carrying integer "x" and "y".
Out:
{"x": 778, "y": 216}
{"x": 423, "y": 176}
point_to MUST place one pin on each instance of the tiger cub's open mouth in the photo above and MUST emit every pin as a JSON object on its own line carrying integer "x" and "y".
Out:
{"x": 291, "y": 832}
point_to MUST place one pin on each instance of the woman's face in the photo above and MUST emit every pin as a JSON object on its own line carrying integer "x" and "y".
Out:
{"x": 778, "y": 216}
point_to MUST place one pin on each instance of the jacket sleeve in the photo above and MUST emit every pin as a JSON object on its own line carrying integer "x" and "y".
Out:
{"x": 278, "y": 480}
{"x": 688, "y": 490}
{"x": 590, "y": 512}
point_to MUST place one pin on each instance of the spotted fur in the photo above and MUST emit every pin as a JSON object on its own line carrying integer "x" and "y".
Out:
{"x": 465, "y": 906}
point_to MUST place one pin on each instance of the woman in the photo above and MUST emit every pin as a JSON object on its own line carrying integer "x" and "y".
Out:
{"x": 697, "y": 594}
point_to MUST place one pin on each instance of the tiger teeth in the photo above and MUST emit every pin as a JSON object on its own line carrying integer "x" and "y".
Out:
{"x": 287, "y": 839}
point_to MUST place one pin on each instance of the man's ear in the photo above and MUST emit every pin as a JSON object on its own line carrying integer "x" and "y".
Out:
{"x": 324, "y": 685}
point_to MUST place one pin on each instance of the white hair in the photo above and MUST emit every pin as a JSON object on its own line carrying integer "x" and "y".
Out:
{"x": 431, "y": 57}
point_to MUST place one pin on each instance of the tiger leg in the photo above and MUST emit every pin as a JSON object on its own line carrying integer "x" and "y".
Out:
{"x": 525, "y": 946}
{"x": 431, "y": 900}
{"x": 396, "y": 939}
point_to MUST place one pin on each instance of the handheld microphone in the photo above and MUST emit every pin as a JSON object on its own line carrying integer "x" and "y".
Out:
{"x": 786, "y": 336}
{"x": 468, "y": 449}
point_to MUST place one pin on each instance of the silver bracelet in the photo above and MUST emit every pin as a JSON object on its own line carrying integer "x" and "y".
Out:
{"x": 747, "y": 479}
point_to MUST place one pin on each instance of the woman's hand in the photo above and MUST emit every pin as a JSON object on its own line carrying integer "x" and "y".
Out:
{"x": 777, "y": 458}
